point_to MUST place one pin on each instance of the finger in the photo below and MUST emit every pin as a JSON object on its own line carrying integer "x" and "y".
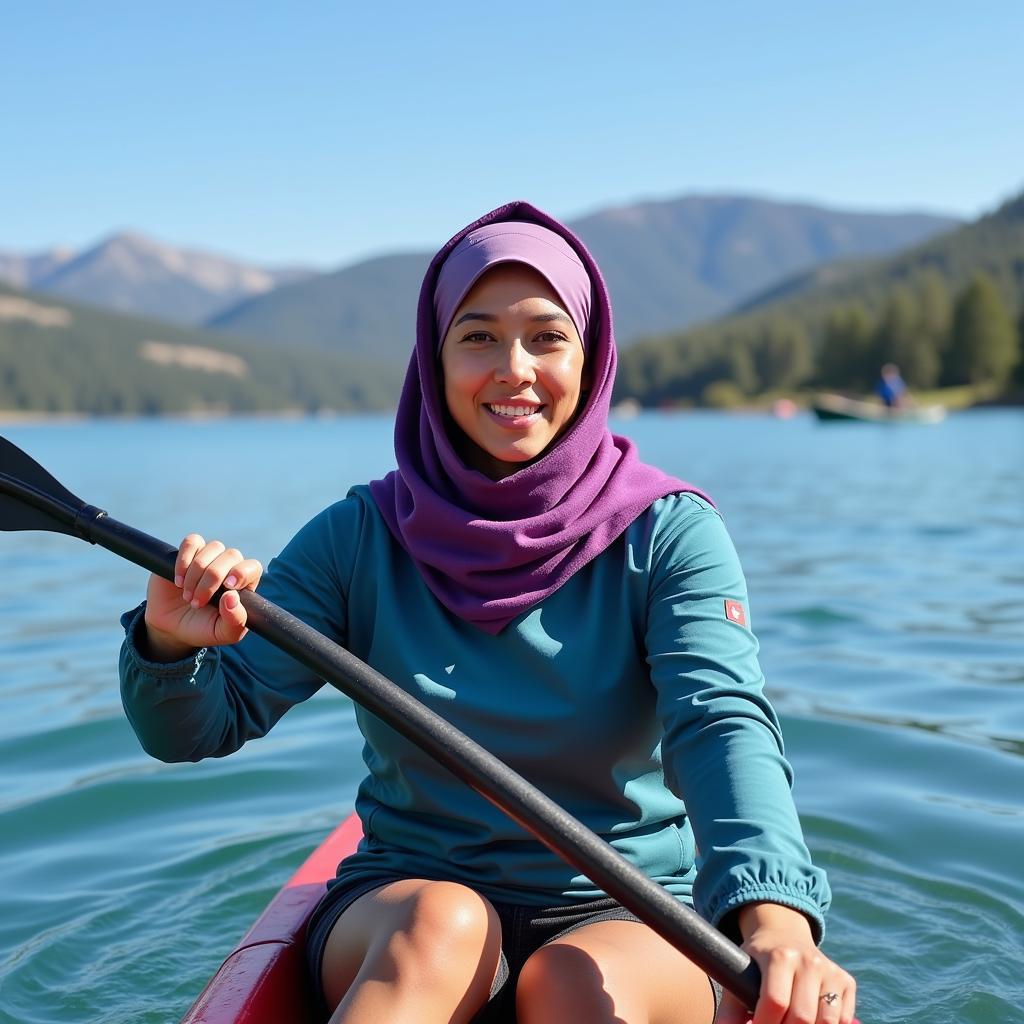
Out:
{"x": 776, "y": 986}
{"x": 837, "y": 995}
{"x": 200, "y": 560}
{"x": 848, "y": 1014}
{"x": 244, "y": 576}
{"x": 230, "y": 625}
{"x": 186, "y": 551}
{"x": 805, "y": 1002}
{"x": 830, "y": 1002}
{"x": 214, "y": 575}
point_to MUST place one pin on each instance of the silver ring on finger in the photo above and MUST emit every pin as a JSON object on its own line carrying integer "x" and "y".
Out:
{"x": 829, "y": 997}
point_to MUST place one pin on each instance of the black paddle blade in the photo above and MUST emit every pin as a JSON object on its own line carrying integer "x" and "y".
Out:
{"x": 30, "y": 499}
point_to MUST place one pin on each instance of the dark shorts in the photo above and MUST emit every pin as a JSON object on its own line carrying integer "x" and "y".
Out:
{"x": 524, "y": 930}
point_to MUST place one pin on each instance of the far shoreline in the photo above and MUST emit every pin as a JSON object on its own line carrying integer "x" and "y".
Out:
{"x": 960, "y": 399}
{"x": 25, "y": 417}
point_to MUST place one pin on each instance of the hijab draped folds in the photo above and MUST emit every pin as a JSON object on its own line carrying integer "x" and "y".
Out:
{"x": 490, "y": 550}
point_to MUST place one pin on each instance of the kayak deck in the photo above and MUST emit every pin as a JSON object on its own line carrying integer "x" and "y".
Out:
{"x": 264, "y": 978}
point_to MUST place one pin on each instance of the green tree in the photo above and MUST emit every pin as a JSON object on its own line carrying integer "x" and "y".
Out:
{"x": 662, "y": 367}
{"x": 1019, "y": 376}
{"x": 782, "y": 355}
{"x": 900, "y": 340}
{"x": 935, "y": 309}
{"x": 846, "y": 358}
{"x": 984, "y": 345}
{"x": 742, "y": 369}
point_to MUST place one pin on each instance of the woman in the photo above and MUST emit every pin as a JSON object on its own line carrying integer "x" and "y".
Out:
{"x": 575, "y": 611}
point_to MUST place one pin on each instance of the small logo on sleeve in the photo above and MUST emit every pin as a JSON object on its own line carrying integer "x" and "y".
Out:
{"x": 734, "y": 612}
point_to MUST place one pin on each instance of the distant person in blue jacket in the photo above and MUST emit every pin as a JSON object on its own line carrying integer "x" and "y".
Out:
{"x": 577, "y": 612}
{"x": 891, "y": 388}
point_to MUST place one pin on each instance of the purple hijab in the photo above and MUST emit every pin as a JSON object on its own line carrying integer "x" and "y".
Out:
{"x": 491, "y": 549}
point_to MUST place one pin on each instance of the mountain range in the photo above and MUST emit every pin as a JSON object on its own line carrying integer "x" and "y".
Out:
{"x": 993, "y": 244}
{"x": 668, "y": 264}
{"x": 61, "y": 356}
{"x": 132, "y": 273}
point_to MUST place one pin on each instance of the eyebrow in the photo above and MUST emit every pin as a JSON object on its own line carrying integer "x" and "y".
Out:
{"x": 540, "y": 318}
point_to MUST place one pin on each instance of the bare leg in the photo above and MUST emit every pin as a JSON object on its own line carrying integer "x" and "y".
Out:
{"x": 412, "y": 952}
{"x": 613, "y": 972}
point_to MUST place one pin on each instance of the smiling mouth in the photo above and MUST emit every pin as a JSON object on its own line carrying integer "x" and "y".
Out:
{"x": 511, "y": 411}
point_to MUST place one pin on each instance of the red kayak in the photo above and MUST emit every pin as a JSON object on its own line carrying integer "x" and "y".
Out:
{"x": 264, "y": 979}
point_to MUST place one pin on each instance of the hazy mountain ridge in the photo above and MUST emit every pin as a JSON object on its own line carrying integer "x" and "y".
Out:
{"x": 993, "y": 244}
{"x": 133, "y": 273}
{"x": 23, "y": 271}
{"x": 667, "y": 264}
{"x": 370, "y": 305}
{"x": 671, "y": 264}
{"x": 59, "y": 356}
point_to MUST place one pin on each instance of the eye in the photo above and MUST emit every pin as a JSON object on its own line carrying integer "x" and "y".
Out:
{"x": 478, "y": 338}
{"x": 550, "y": 338}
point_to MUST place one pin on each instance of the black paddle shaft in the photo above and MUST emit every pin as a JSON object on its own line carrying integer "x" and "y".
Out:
{"x": 31, "y": 499}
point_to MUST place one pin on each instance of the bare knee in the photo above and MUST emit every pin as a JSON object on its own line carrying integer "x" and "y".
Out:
{"x": 562, "y": 982}
{"x": 442, "y": 925}
{"x": 415, "y": 937}
{"x": 612, "y": 971}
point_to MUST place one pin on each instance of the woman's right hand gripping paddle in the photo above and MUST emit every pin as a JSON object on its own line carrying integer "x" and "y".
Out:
{"x": 179, "y": 615}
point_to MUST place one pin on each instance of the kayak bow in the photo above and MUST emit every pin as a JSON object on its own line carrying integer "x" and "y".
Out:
{"x": 264, "y": 979}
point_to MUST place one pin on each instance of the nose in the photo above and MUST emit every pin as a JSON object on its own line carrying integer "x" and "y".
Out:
{"x": 515, "y": 365}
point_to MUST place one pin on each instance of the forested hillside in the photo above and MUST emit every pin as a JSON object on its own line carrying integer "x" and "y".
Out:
{"x": 59, "y": 357}
{"x": 947, "y": 311}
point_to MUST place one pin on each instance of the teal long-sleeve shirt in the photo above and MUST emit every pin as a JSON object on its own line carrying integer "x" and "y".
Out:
{"x": 630, "y": 696}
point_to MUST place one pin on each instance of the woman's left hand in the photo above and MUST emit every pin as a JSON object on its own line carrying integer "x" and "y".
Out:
{"x": 799, "y": 984}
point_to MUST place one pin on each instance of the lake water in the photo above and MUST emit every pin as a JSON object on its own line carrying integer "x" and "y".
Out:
{"x": 886, "y": 570}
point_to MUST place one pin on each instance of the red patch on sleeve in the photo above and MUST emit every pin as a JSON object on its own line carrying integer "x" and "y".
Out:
{"x": 734, "y": 612}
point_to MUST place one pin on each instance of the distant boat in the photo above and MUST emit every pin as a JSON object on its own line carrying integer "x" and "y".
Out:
{"x": 836, "y": 407}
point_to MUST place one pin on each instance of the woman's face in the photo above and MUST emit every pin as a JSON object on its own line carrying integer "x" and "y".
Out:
{"x": 512, "y": 363}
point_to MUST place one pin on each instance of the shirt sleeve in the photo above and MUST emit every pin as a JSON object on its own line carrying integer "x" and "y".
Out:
{"x": 722, "y": 748}
{"x": 209, "y": 704}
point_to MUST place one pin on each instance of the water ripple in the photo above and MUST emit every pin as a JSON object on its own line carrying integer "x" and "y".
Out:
{"x": 885, "y": 572}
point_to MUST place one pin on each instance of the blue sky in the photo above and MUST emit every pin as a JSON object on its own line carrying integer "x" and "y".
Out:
{"x": 320, "y": 133}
